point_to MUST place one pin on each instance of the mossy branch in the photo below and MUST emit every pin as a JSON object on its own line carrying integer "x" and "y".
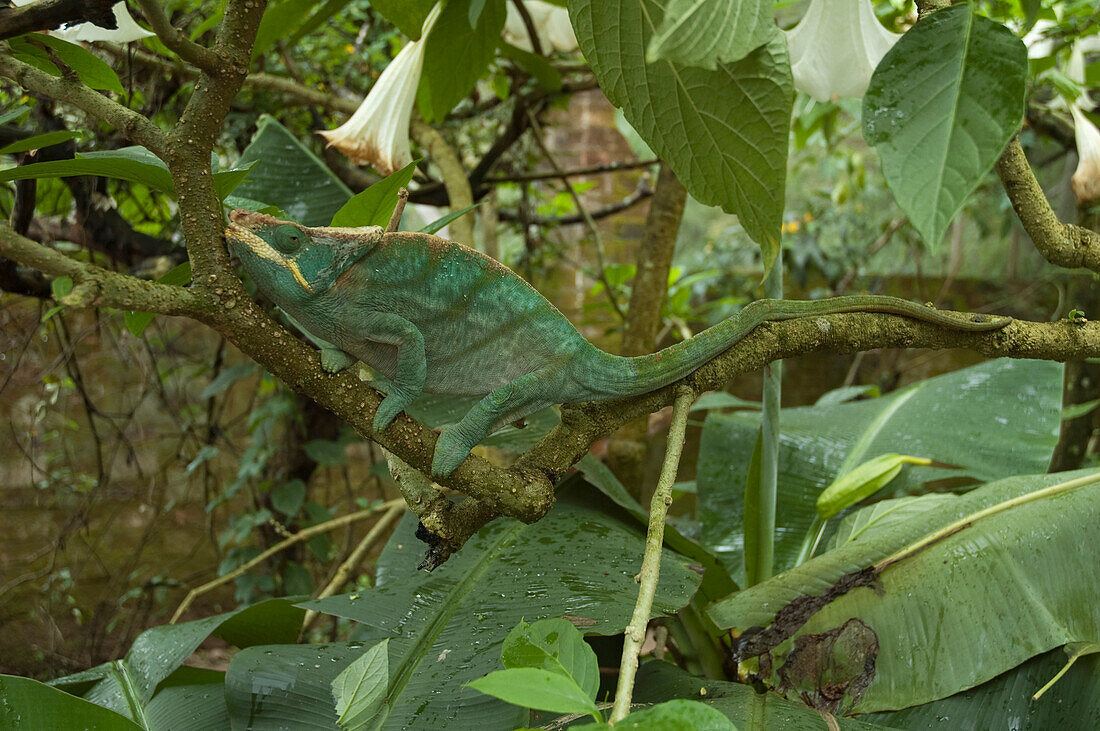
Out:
{"x": 1063, "y": 244}
{"x": 174, "y": 39}
{"x": 132, "y": 125}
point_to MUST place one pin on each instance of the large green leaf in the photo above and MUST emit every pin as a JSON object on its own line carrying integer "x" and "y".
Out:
{"x": 280, "y": 19}
{"x": 456, "y": 56}
{"x": 993, "y": 420}
{"x": 290, "y": 176}
{"x": 708, "y": 32}
{"x": 89, "y": 68}
{"x": 941, "y": 106}
{"x": 190, "y": 699}
{"x": 28, "y": 705}
{"x": 727, "y": 141}
{"x": 127, "y": 685}
{"x": 447, "y": 628}
{"x": 134, "y": 168}
{"x": 135, "y": 164}
{"x": 407, "y": 15}
{"x": 1005, "y": 702}
{"x": 37, "y": 142}
{"x": 750, "y": 711}
{"x": 1009, "y": 583}
{"x": 375, "y": 205}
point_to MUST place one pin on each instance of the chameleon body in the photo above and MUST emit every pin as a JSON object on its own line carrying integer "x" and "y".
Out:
{"x": 433, "y": 315}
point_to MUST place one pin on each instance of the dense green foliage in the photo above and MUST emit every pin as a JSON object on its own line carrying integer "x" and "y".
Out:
{"x": 921, "y": 555}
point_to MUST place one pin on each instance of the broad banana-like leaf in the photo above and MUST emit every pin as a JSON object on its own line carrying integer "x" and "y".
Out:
{"x": 922, "y": 609}
{"x": 446, "y": 628}
{"x": 994, "y": 420}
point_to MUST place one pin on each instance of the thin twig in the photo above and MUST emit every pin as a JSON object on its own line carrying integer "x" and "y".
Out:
{"x": 354, "y": 559}
{"x": 395, "y": 219}
{"x": 651, "y": 561}
{"x": 174, "y": 39}
{"x": 588, "y": 220}
{"x": 302, "y": 535}
{"x": 611, "y": 167}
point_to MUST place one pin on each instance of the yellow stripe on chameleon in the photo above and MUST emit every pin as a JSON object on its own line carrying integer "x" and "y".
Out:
{"x": 263, "y": 250}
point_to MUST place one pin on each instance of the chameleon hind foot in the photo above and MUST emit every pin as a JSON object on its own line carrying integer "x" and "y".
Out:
{"x": 388, "y": 410}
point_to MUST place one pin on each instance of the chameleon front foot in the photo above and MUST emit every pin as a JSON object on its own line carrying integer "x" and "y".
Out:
{"x": 449, "y": 453}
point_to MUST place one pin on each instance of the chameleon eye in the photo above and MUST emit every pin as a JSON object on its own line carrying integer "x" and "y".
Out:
{"x": 289, "y": 239}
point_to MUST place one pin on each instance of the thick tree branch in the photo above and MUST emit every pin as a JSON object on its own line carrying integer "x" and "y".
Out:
{"x": 224, "y": 305}
{"x": 846, "y": 333}
{"x": 1063, "y": 244}
{"x": 50, "y": 14}
{"x": 190, "y": 144}
{"x": 131, "y": 124}
{"x": 97, "y": 287}
{"x": 174, "y": 39}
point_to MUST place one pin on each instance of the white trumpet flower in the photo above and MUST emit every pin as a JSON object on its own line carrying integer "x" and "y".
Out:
{"x": 835, "y": 48}
{"x": 127, "y": 29}
{"x": 378, "y": 133}
{"x": 552, "y": 26}
{"x": 1086, "y": 179}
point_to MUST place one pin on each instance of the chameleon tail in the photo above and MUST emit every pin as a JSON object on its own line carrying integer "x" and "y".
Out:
{"x": 616, "y": 376}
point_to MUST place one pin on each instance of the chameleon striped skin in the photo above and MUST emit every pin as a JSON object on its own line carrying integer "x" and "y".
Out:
{"x": 433, "y": 315}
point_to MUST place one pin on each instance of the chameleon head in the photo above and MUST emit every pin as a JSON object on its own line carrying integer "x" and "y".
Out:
{"x": 270, "y": 250}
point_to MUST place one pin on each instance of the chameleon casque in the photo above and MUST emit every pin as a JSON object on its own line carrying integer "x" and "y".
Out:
{"x": 434, "y": 315}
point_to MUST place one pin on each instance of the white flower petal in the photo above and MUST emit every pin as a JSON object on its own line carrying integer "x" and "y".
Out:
{"x": 127, "y": 30}
{"x": 835, "y": 48}
{"x": 1086, "y": 179}
{"x": 552, "y": 27}
{"x": 378, "y": 133}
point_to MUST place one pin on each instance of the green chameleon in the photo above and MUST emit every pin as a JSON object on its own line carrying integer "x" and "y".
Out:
{"x": 434, "y": 315}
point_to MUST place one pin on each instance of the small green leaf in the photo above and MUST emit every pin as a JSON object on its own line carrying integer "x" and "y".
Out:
{"x": 37, "y": 142}
{"x": 1074, "y": 411}
{"x": 537, "y": 66}
{"x": 14, "y": 113}
{"x": 678, "y": 714}
{"x": 91, "y": 70}
{"x": 61, "y": 287}
{"x": 474, "y": 12}
{"x": 862, "y": 482}
{"x": 226, "y": 181}
{"x": 938, "y": 138}
{"x": 227, "y": 378}
{"x": 554, "y": 645}
{"x": 287, "y": 497}
{"x": 722, "y": 400}
{"x": 536, "y": 688}
{"x": 374, "y": 206}
{"x": 325, "y": 452}
{"x": 360, "y": 688}
{"x": 439, "y": 223}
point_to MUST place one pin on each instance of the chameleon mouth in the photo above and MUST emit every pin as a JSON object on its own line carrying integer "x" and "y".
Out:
{"x": 259, "y": 247}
